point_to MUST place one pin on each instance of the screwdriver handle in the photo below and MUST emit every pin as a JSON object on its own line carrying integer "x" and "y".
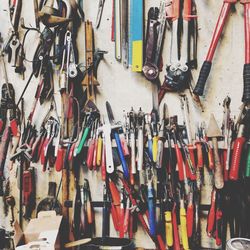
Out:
{"x": 83, "y": 140}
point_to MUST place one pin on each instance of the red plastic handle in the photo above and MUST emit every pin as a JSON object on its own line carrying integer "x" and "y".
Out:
{"x": 211, "y": 215}
{"x": 175, "y": 230}
{"x": 121, "y": 219}
{"x": 236, "y": 157}
{"x": 200, "y": 162}
{"x": 114, "y": 217}
{"x": 179, "y": 162}
{"x": 27, "y": 187}
{"x": 224, "y": 164}
{"x": 103, "y": 164}
{"x": 95, "y": 154}
{"x": 90, "y": 154}
{"x": 131, "y": 175}
{"x": 71, "y": 152}
{"x": 59, "y": 159}
{"x": 14, "y": 127}
{"x": 160, "y": 243}
{"x": 210, "y": 158}
{"x": 126, "y": 220}
{"x": 219, "y": 215}
{"x": 44, "y": 145}
{"x": 1, "y": 125}
{"x": 190, "y": 219}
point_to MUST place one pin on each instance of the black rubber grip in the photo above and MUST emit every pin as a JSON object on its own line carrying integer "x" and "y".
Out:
{"x": 205, "y": 70}
{"x": 246, "y": 89}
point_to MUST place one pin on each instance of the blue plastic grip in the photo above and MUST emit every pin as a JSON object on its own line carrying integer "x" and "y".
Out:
{"x": 122, "y": 158}
{"x": 150, "y": 149}
{"x": 151, "y": 211}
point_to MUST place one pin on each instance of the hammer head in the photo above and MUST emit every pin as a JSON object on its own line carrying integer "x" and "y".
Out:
{"x": 213, "y": 129}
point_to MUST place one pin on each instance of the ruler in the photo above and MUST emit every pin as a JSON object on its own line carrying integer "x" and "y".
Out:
{"x": 136, "y": 35}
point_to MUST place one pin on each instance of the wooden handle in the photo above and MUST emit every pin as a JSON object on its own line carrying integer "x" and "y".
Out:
{"x": 218, "y": 171}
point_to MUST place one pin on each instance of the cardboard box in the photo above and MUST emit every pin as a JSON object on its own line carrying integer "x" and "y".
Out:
{"x": 41, "y": 233}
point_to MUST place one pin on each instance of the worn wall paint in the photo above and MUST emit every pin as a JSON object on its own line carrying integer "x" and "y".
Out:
{"x": 124, "y": 89}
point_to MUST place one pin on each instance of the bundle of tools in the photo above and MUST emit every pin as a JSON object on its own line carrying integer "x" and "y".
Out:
{"x": 181, "y": 16}
{"x": 74, "y": 88}
{"x": 162, "y": 175}
{"x": 206, "y": 67}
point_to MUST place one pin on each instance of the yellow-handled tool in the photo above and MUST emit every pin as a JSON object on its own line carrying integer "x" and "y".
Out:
{"x": 99, "y": 151}
{"x": 183, "y": 221}
{"x": 155, "y": 148}
{"x": 169, "y": 229}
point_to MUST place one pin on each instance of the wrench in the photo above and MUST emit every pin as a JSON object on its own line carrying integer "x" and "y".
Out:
{"x": 14, "y": 46}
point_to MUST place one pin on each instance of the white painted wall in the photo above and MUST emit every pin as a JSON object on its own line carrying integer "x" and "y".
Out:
{"x": 124, "y": 89}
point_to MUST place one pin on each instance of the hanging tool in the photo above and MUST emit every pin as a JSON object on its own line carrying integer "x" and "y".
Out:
{"x": 12, "y": 44}
{"x": 137, "y": 209}
{"x": 136, "y": 35}
{"x": 89, "y": 80}
{"x": 8, "y": 105}
{"x": 183, "y": 222}
{"x": 48, "y": 14}
{"x": 242, "y": 127}
{"x": 214, "y": 133}
{"x": 86, "y": 130}
{"x": 117, "y": 140}
{"x": 227, "y": 127}
{"x": 181, "y": 61}
{"x": 151, "y": 196}
{"x": 140, "y": 133}
{"x": 206, "y": 67}
{"x": 99, "y": 13}
{"x": 4, "y": 145}
{"x": 125, "y": 32}
{"x": 154, "y": 38}
{"x": 149, "y": 135}
{"x": 132, "y": 140}
{"x": 107, "y": 154}
{"x": 150, "y": 68}
{"x": 117, "y": 30}
{"x": 190, "y": 156}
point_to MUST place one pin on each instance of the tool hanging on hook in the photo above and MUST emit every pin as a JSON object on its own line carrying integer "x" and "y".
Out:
{"x": 183, "y": 48}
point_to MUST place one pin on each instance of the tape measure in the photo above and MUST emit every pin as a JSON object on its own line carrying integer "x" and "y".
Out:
{"x": 136, "y": 35}
{"x": 238, "y": 244}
